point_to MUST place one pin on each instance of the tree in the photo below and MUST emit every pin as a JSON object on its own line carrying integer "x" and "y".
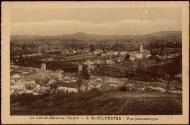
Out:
{"x": 92, "y": 48}
{"x": 118, "y": 46}
{"x": 127, "y": 57}
{"x": 85, "y": 74}
{"x": 140, "y": 66}
{"x": 161, "y": 47}
{"x": 167, "y": 77}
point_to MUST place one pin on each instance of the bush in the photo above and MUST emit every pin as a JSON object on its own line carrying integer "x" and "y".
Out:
{"x": 122, "y": 88}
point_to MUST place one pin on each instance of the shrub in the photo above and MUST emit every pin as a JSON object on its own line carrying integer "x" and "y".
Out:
{"x": 122, "y": 88}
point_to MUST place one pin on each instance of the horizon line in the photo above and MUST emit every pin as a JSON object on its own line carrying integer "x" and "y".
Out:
{"x": 94, "y": 33}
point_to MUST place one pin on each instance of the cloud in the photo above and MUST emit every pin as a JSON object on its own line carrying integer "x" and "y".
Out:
{"x": 101, "y": 20}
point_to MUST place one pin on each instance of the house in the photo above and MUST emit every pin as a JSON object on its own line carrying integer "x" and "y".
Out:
{"x": 113, "y": 83}
{"x": 98, "y": 51}
{"x": 17, "y": 85}
{"x": 103, "y": 54}
{"x": 16, "y": 76}
{"x": 123, "y": 53}
{"x": 69, "y": 79}
{"x": 109, "y": 53}
{"x": 52, "y": 81}
{"x": 84, "y": 85}
{"x": 91, "y": 68}
{"x": 43, "y": 90}
{"x": 67, "y": 88}
{"x": 59, "y": 74}
{"x": 139, "y": 56}
{"x": 109, "y": 61}
{"x": 119, "y": 59}
{"x": 29, "y": 92}
{"x": 116, "y": 81}
{"x": 132, "y": 58}
{"x": 99, "y": 61}
{"x": 83, "y": 88}
{"x": 95, "y": 83}
{"x": 148, "y": 55}
{"x": 52, "y": 86}
{"x": 29, "y": 80}
{"x": 90, "y": 65}
{"x": 157, "y": 89}
{"x": 89, "y": 62}
{"x": 116, "y": 53}
{"x": 178, "y": 76}
{"x": 36, "y": 93}
{"x": 37, "y": 87}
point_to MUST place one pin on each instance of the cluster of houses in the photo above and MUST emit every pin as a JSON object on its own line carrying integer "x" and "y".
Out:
{"x": 36, "y": 81}
{"x": 106, "y": 56}
{"x": 39, "y": 81}
{"x": 168, "y": 56}
{"x": 116, "y": 57}
{"x": 26, "y": 80}
{"x": 42, "y": 81}
{"x": 102, "y": 83}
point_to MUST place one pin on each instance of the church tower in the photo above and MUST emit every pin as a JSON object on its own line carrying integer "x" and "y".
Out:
{"x": 43, "y": 66}
{"x": 79, "y": 69}
{"x": 141, "y": 48}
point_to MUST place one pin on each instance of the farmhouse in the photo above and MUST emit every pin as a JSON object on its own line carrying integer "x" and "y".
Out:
{"x": 95, "y": 83}
{"x": 16, "y": 78}
{"x": 67, "y": 88}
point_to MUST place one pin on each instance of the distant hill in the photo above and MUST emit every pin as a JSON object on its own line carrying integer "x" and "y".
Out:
{"x": 164, "y": 36}
{"x": 83, "y": 38}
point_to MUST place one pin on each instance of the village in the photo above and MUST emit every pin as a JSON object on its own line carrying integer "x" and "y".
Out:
{"x": 85, "y": 60}
{"x": 100, "y": 70}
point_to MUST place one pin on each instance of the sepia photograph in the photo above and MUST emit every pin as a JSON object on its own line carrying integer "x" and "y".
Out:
{"x": 90, "y": 60}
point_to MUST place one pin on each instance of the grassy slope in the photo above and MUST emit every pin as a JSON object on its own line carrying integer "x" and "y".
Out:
{"x": 114, "y": 103}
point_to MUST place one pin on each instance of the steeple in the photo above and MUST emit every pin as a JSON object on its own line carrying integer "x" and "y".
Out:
{"x": 141, "y": 48}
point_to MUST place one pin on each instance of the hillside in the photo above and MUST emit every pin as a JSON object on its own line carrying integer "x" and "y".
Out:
{"x": 95, "y": 103}
{"x": 83, "y": 38}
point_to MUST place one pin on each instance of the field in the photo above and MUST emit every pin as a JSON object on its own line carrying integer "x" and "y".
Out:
{"x": 96, "y": 103}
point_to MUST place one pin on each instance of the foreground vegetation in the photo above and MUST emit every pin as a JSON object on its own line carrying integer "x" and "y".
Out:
{"x": 97, "y": 103}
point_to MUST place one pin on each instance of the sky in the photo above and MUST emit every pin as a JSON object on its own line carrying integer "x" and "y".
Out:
{"x": 110, "y": 21}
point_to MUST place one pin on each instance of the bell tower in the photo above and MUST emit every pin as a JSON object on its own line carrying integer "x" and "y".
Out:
{"x": 43, "y": 66}
{"x": 141, "y": 48}
{"x": 79, "y": 69}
